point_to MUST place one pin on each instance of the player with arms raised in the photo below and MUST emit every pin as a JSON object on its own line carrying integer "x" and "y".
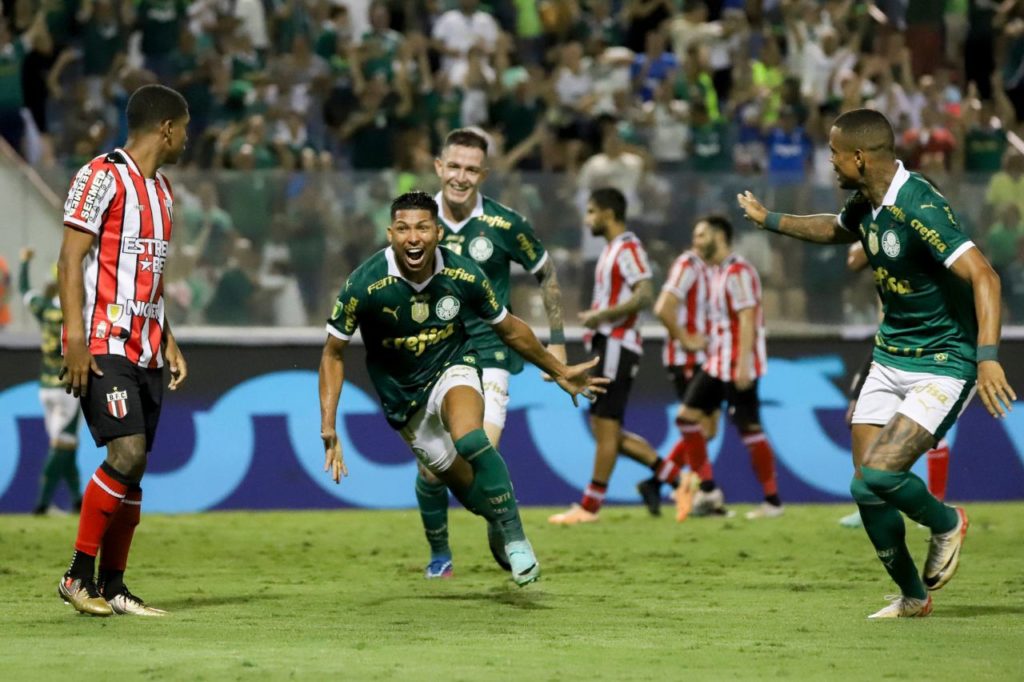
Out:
{"x": 412, "y": 302}
{"x": 494, "y": 236}
{"x": 937, "y": 343}
{"x": 116, "y": 338}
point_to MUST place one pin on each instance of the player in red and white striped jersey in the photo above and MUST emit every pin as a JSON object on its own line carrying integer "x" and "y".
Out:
{"x": 683, "y": 308}
{"x": 116, "y": 339}
{"x": 622, "y": 288}
{"x": 736, "y": 360}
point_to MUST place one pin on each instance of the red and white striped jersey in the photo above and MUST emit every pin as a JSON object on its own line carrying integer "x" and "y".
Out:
{"x": 622, "y": 264}
{"x": 735, "y": 286}
{"x": 130, "y": 215}
{"x": 689, "y": 282}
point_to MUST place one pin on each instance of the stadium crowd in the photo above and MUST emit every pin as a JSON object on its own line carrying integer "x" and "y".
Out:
{"x": 309, "y": 115}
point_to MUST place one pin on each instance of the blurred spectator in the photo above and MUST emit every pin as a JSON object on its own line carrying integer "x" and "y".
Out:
{"x": 1001, "y": 244}
{"x": 457, "y": 30}
{"x": 207, "y": 226}
{"x": 1007, "y": 186}
{"x": 653, "y": 67}
{"x": 13, "y": 52}
{"x": 5, "y": 293}
{"x": 983, "y": 131}
{"x": 931, "y": 143}
{"x": 235, "y": 299}
{"x": 160, "y": 22}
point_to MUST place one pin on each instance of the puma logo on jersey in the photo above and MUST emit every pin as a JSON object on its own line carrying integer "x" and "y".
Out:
{"x": 391, "y": 311}
{"x": 928, "y": 206}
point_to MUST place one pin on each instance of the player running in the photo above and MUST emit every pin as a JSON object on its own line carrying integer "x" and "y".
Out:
{"x": 412, "y": 302}
{"x": 936, "y": 345}
{"x": 494, "y": 236}
{"x": 116, "y": 338}
{"x": 60, "y": 410}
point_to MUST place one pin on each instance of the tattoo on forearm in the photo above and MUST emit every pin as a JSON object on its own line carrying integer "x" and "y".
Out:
{"x": 551, "y": 294}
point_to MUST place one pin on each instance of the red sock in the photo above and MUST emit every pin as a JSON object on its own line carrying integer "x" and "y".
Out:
{"x": 763, "y": 461}
{"x": 938, "y": 469}
{"x": 676, "y": 460}
{"x": 593, "y": 496}
{"x": 118, "y": 539}
{"x": 102, "y": 497}
{"x": 697, "y": 452}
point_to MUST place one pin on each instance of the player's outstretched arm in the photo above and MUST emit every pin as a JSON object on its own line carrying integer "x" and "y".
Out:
{"x": 78, "y": 362}
{"x": 551, "y": 294}
{"x": 993, "y": 389}
{"x": 822, "y": 228}
{"x": 332, "y": 377}
{"x": 574, "y": 379}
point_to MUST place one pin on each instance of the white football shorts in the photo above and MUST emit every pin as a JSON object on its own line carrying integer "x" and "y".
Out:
{"x": 425, "y": 433}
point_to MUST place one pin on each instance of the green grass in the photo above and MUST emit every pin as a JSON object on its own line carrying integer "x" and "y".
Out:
{"x": 312, "y": 595}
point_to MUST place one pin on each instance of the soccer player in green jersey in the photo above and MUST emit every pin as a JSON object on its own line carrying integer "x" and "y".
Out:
{"x": 413, "y": 302}
{"x": 494, "y": 236}
{"x": 60, "y": 410}
{"x": 936, "y": 346}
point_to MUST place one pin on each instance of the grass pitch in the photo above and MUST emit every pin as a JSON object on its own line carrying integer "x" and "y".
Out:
{"x": 340, "y": 595}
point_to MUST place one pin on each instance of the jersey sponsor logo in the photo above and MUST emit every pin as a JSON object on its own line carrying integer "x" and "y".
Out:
{"x": 949, "y": 214}
{"x": 496, "y": 221}
{"x": 144, "y": 308}
{"x": 419, "y": 343}
{"x": 930, "y": 236}
{"x": 447, "y": 308}
{"x": 526, "y": 246}
{"x": 492, "y": 298}
{"x": 898, "y": 213}
{"x": 459, "y": 274}
{"x": 891, "y": 244}
{"x": 77, "y": 190}
{"x": 884, "y": 280}
{"x": 380, "y": 284}
{"x": 481, "y": 249}
{"x": 101, "y": 330}
{"x": 100, "y": 184}
{"x": 117, "y": 403}
{"x": 153, "y": 252}
{"x": 349, "y": 311}
{"x": 336, "y": 310}
{"x": 932, "y": 390}
{"x": 923, "y": 206}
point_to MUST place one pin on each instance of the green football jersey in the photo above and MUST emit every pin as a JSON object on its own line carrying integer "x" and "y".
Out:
{"x": 413, "y": 332}
{"x": 928, "y": 323}
{"x": 494, "y": 236}
{"x": 47, "y": 311}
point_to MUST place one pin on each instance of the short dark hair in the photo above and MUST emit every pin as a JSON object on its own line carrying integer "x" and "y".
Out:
{"x": 413, "y": 201}
{"x": 719, "y": 223}
{"x": 466, "y": 137}
{"x": 609, "y": 198}
{"x": 868, "y": 130}
{"x": 151, "y": 105}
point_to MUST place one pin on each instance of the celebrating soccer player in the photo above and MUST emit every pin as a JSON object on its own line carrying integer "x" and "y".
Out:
{"x": 937, "y": 344}
{"x": 116, "y": 338}
{"x": 413, "y": 303}
{"x": 622, "y": 288}
{"x": 60, "y": 410}
{"x": 494, "y": 236}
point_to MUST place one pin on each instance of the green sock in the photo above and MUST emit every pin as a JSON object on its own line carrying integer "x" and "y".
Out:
{"x": 491, "y": 494}
{"x": 71, "y": 476}
{"x": 885, "y": 529}
{"x": 910, "y": 495}
{"x": 433, "y": 502}
{"x": 52, "y": 475}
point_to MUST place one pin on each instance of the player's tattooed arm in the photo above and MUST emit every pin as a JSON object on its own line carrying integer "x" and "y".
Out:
{"x": 643, "y": 297}
{"x": 551, "y": 294}
{"x": 822, "y": 228}
{"x": 332, "y": 378}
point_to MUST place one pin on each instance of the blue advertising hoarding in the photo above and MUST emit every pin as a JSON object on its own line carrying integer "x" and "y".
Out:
{"x": 244, "y": 434}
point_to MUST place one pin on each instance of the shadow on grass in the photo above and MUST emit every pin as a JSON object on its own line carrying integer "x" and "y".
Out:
{"x": 520, "y": 599}
{"x": 209, "y": 600}
{"x": 981, "y": 610}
